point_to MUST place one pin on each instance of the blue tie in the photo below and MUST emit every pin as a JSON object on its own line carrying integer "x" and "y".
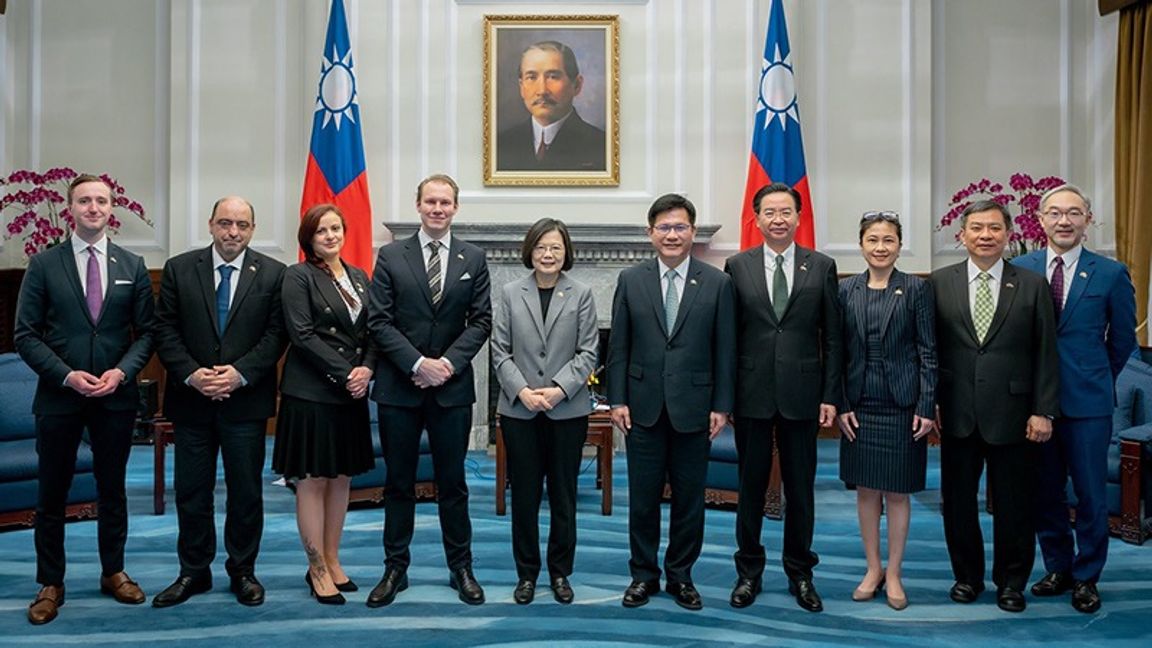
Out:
{"x": 223, "y": 295}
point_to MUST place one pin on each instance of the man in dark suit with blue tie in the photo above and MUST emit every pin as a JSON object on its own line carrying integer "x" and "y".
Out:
{"x": 84, "y": 325}
{"x": 998, "y": 391}
{"x": 671, "y": 374}
{"x": 220, "y": 333}
{"x": 1095, "y": 333}
{"x": 429, "y": 312}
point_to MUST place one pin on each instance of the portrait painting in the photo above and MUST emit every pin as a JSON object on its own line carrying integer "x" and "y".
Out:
{"x": 551, "y": 101}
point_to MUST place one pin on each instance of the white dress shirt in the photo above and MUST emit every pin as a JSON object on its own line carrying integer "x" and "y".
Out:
{"x": 996, "y": 272}
{"x": 237, "y": 266}
{"x": 1071, "y": 259}
{"x": 80, "y": 254}
{"x": 770, "y": 266}
{"x": 546, "y": 133}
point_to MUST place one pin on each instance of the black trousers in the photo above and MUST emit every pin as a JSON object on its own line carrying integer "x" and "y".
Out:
{"x": 57, "y": 442}
{"x": 541, "y": 449}
{"x": 796, "y": 442}
{"x": 241, "y": 445}
{"x": 448, "y": 430}
{"x": 1012, "y": 476}
{"x": 656, "y": 453}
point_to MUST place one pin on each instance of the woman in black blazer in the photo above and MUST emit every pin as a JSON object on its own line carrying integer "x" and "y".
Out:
{"x": 543, "y": 349}
{"x": 322, "y": 431}
{"x": 889, "y": 397}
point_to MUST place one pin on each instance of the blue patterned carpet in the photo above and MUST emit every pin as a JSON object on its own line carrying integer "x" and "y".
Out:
{"x": 428, "y": 614}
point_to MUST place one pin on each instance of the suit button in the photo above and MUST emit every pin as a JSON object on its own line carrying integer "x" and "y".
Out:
{"x": 340, "y": 349}
{"x": 540, "y": 373}
{"x": 216, "y": 348}
{"x": 331, "y": 329}
{"x": 980, "y": 352}
{"x": 779, "y": 330}
{"x": 543, "y": 355}
{"x": 327, "y": 309}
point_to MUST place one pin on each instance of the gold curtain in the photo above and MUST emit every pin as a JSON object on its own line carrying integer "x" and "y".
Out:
{"x": 1134, "y": 150}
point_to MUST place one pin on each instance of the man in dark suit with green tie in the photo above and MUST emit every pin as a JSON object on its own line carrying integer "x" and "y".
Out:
{"x": 84, "y": 325}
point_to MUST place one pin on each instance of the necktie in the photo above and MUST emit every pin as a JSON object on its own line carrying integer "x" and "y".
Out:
{"x": 434, "y": 272}
{"x": 541, "y": 150}
{"x": 1056, "y": 285}
{"x": 94, "y": 294}
{"x": 223, "y": 295}
{"x": 779, "y": 288}
{"x": 982, "y": 311}
{"x": 671, "y": 300}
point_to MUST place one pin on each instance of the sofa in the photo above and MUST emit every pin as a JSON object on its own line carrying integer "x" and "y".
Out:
{"x": 1130, "y": 456}
{"x": 18, "y": 458}
{"x": 368, "y": 488}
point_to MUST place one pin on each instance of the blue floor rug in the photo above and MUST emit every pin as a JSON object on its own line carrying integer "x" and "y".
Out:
{"x": 428, "y": 614}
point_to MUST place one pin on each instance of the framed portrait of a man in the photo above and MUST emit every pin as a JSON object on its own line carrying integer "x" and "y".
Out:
{"x": 551, "y": 100}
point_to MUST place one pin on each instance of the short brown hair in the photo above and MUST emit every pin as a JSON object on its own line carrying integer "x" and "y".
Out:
{"x": 85, "y": 178}
{"x": 310, "y": 222}
{"x": 439, "y": 177}
{"x": 537, "y": 232}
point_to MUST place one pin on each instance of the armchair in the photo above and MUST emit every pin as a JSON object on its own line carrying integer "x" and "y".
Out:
{"x": 1130, "y": 457}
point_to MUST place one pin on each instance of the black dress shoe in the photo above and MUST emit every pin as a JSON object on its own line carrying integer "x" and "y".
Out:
{"x": 965, "y": 593}
{"x": 184, "y": 588}
{"x": 525, "y": 591}
{"x": 393, "y": 582}
{"x": 806, "y": 595}
{"x": 347, "y": 586}
{"x": 639, "y": 592}
{"x": 248, "y": 590}
{"x": 562, "y": 590}
{"x": 465, "y": 584}
{"x": 1085, "y": 598}
{"x": 1053, "y": 584}
{"x": 1010, "y": 600}
{"x": 685, "y": 595}
{"x": 744, "y": 594}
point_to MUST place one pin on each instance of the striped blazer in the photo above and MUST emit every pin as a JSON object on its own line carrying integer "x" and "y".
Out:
{"x": 908, "y": 341}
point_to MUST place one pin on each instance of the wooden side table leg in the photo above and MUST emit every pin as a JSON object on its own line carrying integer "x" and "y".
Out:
{"x": 501, "y": 472}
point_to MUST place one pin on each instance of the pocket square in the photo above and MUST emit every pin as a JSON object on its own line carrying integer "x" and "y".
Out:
{"x": 466, "y": 276}
{"x": 124, "y": 282}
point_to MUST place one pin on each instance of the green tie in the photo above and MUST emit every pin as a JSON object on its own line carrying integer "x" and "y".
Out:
{"x": 982, "y": 311}
{"x": 779, "y": 288}
{"x": 671, "y": 301}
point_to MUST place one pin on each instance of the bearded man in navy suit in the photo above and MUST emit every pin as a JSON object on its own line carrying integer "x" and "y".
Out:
{"x": 1095, "y": 307}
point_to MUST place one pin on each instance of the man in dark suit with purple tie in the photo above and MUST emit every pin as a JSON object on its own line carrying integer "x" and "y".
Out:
{"x": 84, "y": 325}
{"x": 1095, "y": 333}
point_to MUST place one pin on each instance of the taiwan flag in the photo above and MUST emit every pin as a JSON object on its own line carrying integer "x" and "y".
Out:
{"x": 777, "y": 147}
{"x": 336, "y": 172}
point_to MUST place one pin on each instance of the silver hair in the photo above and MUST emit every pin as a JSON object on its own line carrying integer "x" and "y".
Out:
{"x": 1070, "y": 188}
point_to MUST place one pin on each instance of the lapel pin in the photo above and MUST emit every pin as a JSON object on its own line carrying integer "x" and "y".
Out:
{"x": 899, "y": 291}
{"x": 804, "y": 267}
{"x": 112, "y": 259}
{"x": 359, "y": 287}
{"x": 252, "y": 268}
{"x": 460, "y": 256}
{"x": 560, "y": 294}
{"x": 1009, "y": 285}
{"x": 692, "y": 281}
{"x": 1083, "y": 275}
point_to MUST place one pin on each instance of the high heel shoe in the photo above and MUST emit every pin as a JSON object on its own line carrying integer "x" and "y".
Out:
{"x": 897, "y": 603}
{"x": 332, "y": 599}
{"x": 860, "y": 595}
{"x": 346, "y": 586}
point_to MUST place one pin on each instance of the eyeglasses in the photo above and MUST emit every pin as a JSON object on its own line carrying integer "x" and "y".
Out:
{"x": 667, "y": 228}
{"x": 773, "y": 213}
{"x": 553, "y": 249}
{"x": 1073, "y": 215}
{"x": 887, "y": 216}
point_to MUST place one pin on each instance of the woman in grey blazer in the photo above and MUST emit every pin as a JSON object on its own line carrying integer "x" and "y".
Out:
{"x": 544, "y": 346}
{"x": 322, "y": 430}
{"x": 889, "y": 397}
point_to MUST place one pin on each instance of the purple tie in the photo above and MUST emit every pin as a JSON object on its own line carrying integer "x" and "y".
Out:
{"x": 1057, "y": 286}
{"x": 95, "y": 293}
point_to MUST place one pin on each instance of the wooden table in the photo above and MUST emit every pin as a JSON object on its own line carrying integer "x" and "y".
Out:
{"x": 600, "y": 434}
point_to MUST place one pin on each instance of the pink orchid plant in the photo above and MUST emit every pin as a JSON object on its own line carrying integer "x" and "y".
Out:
{"x": 38, "y": 204}
{"x": 1022, "y": 197}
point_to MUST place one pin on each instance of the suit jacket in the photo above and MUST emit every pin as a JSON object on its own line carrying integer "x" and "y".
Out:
{"x": 792, "y": 365}
{"x": 529, "y": 350}
{"x": 689, "y": 370}
{"x": 405, "y": 325}
{"x": 1095, "y": 334}
{"x": 252, "y": 340}
{"x": 578, "y": 146}
{"x": 996, "y": 385}
{"x": 907, "y": 337}
{"x": 55, "y": 334}
{"x": 325, "y": 343}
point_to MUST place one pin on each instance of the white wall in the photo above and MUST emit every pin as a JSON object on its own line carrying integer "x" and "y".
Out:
{"x": 902, "y": 103}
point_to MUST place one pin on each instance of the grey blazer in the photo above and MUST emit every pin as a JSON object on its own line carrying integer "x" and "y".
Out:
{"x": 531, "y": 351}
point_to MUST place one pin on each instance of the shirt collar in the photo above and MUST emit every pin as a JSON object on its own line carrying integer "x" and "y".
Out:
{"x": 681, "y": 270}
{"x": 424, "y": 239}
{"x": 79, "y": 245}
{"x": 997, "y": 270}
{"x": 236, "y": 263}
{"x": 548, "y": 133}
{"x": 770, "y": 255}
{"x": 1070, "y": 257}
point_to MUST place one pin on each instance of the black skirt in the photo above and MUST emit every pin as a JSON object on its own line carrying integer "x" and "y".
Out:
{"x": 322, "y": 439}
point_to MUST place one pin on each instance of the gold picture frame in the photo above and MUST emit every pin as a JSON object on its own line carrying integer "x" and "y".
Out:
{"x": 577, "y": 118}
